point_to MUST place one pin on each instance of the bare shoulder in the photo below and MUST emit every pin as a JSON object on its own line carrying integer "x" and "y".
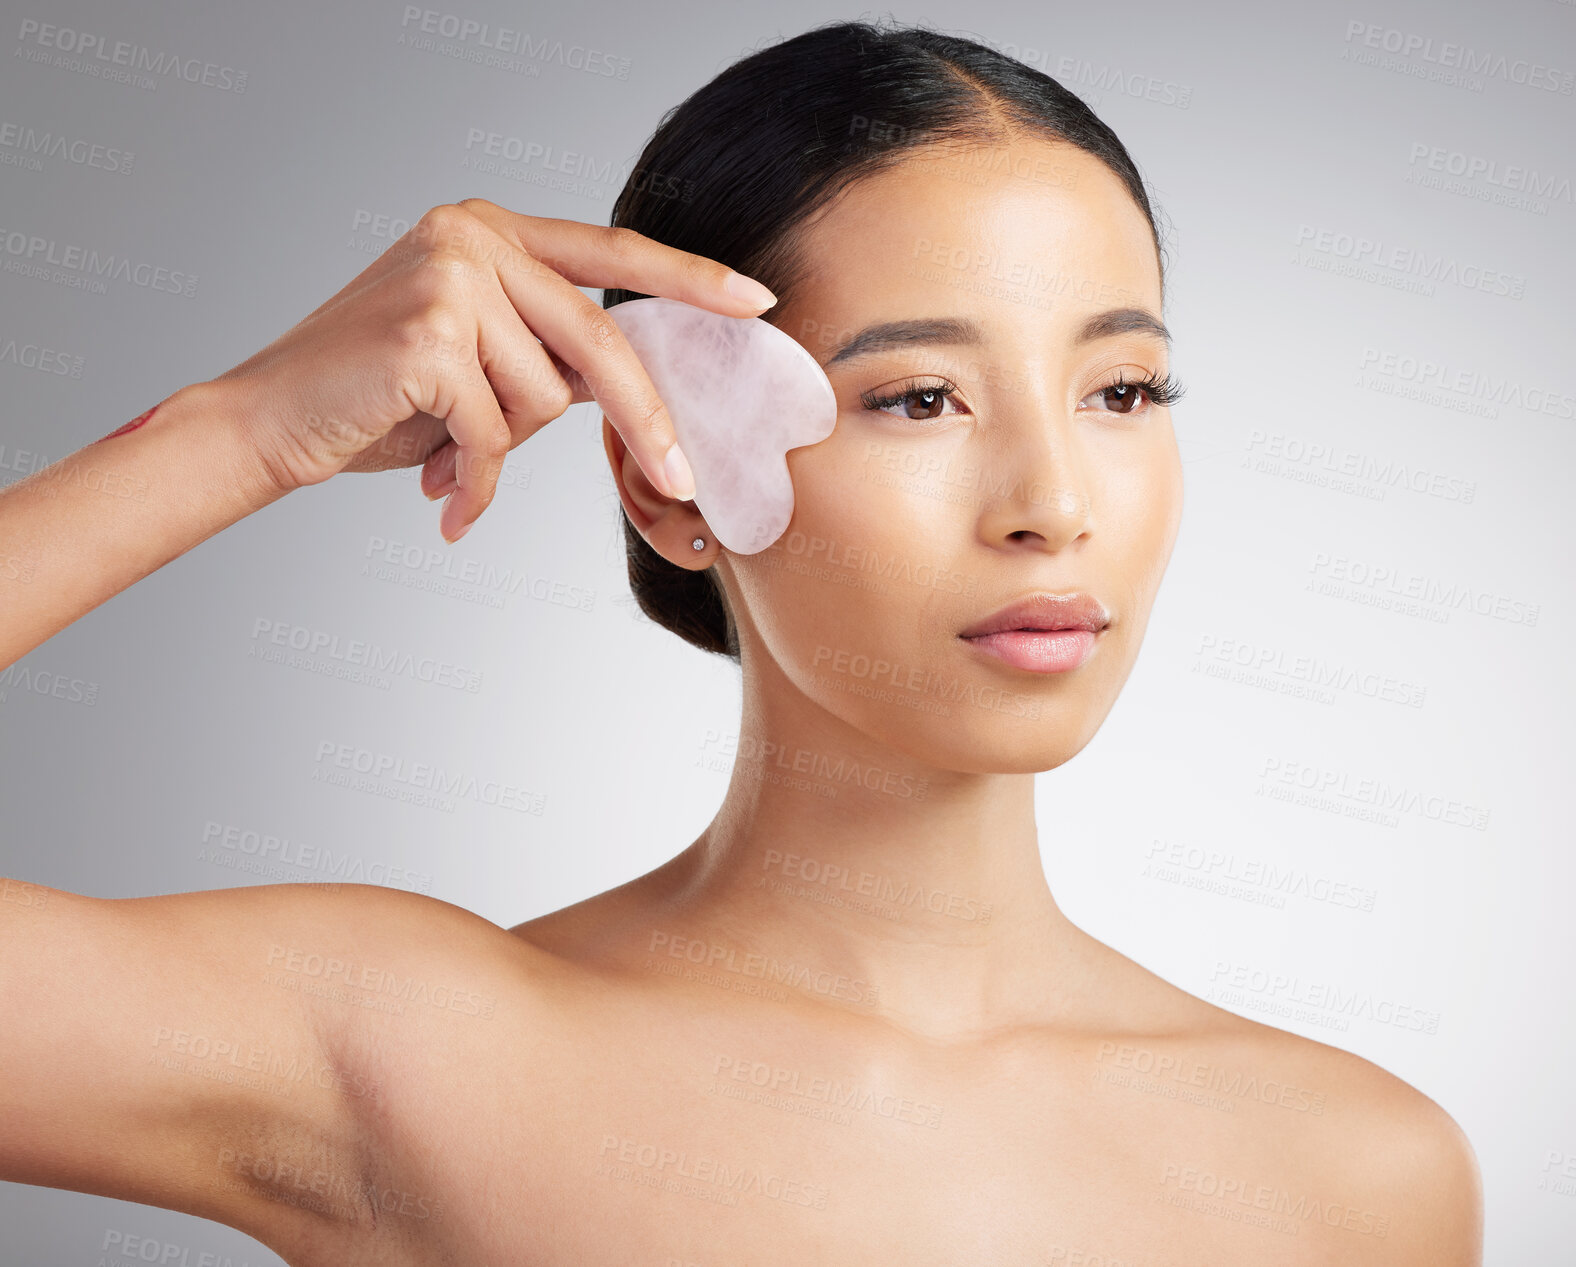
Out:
{"x": 1388, "y": 1175}
{"x": 591, "y": 930}
{"x": 352, "y": 943}
{"x": 1409, "y": 1153}
{"x": 396, "y": 914}
{"x": 390, "y": 954}
{"x": 416, "y": 994}
{"x": 410, "y": 981}
{"x": 1384, "y": 1161}
{"x": 244, "y": 1037}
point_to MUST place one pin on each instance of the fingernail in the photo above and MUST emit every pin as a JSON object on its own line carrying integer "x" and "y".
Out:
{"x": 680, "y": 478}
{"x": 443, "y": 515}
{"x": 749, "y": 290}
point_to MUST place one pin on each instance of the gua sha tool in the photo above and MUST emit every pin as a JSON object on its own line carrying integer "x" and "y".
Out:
{"x": 741, "y": 393}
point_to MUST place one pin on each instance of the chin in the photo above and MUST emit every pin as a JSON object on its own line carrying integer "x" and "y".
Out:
{"x": 991, "y": 743}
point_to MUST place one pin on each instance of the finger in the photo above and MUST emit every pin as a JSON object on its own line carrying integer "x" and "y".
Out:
{"x": 526, "y": 383}
{"x": 524, "y": 378}
{"x": 527, "y": 386}
{"x": 579, "y": 389}
{"x": 461, "y": 396}
{"x": 437, "y": 473}
{"x": 599, "y": 255}
{"x": 481, "y": 438}
{"x": 584, "y": 337}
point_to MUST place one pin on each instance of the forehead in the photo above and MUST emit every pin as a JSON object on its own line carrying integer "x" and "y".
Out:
{"x": 1028, "y": 237}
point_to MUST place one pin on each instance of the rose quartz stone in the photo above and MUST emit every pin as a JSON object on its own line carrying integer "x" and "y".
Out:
{"x": 741, "y": 393}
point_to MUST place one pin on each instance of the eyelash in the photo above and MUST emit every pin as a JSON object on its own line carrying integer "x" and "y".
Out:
{"x": 1162, "y": 391}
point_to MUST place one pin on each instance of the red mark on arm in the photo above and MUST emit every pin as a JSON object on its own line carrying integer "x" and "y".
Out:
{"x": 130, "y": 426}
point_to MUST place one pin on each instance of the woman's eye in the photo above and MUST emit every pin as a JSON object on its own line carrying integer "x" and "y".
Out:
{"x": 1118, "y": 398}
{"x": 919, "y": 404}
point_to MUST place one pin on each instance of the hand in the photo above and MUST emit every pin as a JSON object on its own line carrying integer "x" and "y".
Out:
{"x": 462, "y": 339}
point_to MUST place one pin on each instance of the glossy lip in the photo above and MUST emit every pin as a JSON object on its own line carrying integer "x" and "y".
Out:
{"x": 1038, "y": 650}
{"x": 1044, "y": 610}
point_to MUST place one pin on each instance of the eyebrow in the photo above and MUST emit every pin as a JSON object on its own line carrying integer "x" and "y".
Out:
{"x": 960, "y": 331}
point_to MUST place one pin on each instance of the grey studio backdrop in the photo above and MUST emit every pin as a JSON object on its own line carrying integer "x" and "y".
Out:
{"x": 1328, "y": 797}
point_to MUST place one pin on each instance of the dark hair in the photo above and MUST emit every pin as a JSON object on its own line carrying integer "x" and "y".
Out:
{"x": 740, "y": 164}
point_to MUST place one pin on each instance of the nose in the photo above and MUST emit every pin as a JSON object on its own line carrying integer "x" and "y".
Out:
{"x": 1034, "y": 486}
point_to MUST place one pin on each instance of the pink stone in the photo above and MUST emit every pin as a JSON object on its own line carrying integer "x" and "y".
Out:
{"x": 741, "y": 393}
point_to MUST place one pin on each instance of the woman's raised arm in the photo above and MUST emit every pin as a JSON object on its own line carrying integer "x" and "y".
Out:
{"x": 65, "y": 548}
{"x": 461, "y": 340}
{"x": 235, "y": 1053}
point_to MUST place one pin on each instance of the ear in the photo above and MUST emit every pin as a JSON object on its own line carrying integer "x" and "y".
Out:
{"x": 669, "y": 527}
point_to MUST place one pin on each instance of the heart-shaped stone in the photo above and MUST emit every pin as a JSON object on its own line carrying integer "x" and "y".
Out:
{"x": 741, "y": 393}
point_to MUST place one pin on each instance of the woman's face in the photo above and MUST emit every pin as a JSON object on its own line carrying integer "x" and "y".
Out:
{"x": 917, "y": 519}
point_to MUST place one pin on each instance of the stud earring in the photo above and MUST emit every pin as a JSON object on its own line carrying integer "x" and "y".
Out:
{"x": 699, "y": 543}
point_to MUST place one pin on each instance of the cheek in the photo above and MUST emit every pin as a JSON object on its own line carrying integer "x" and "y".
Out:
{"x": 1166, "y": 485}
{"x": 1141, "y": 510}
{"x": 879, "y": 509}
{"x": 842, "y": 574}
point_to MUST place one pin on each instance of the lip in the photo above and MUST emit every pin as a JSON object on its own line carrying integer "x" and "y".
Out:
{"x": 1042, "y": 632}
{"x": 1044, "y": 610}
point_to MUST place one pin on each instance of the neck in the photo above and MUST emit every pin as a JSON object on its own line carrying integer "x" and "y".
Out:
{"x": 883, "y": 885}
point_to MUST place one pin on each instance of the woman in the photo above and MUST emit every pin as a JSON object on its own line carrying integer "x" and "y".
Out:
{"x": 849, "y": 1023}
